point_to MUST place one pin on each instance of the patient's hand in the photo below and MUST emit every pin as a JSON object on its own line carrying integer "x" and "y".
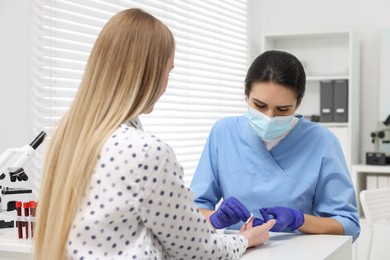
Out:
{"x": 256, "y": 235}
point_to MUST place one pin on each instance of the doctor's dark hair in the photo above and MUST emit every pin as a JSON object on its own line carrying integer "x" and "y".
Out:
{"x": 278, "y": 67}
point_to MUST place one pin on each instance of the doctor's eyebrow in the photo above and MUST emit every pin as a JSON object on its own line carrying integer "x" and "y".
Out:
{"x": 258, "y": 102}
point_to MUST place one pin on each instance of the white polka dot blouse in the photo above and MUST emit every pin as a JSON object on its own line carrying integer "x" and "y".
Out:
{"x": 137, "y": 207}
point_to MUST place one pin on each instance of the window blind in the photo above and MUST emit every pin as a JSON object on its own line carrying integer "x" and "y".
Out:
{"x": 212, "y": 55}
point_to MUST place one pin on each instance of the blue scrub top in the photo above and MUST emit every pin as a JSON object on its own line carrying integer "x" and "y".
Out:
{"x": 306, "y": 170}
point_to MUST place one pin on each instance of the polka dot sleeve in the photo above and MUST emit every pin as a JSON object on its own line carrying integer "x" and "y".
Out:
{"x": 168, "y": 210}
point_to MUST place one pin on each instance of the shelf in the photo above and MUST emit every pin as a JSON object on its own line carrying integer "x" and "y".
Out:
{"x": 307, "y": 35}
{"x": 323, "y": 55}
{"x": 334, "y": 124}
{"x": 330, "y": 77}
{"x": 372, "y": 168}
{"x": 327, "y": 56}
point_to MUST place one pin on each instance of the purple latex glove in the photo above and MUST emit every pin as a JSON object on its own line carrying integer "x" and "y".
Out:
{"x": 259, "y": 221}
{"x": 285, "y": 218}
{"x": 230, "y": 212}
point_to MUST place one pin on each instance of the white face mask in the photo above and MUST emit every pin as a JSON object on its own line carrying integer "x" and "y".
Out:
{"x": 268, "y": 128}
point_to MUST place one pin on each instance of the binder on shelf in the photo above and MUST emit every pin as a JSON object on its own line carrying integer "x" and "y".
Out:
{"x": 340, "y": 102}
{"x": 326, "y": 101}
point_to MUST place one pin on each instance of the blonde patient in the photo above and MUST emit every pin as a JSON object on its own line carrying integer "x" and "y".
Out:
{"x": 111, "y": 190}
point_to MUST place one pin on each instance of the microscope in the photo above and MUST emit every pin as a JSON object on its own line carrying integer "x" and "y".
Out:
{"x": 381, "y": 140}
{"x": 12, "y": 162}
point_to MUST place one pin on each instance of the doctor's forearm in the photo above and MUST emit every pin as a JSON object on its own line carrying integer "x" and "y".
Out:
{"x": 319, "y": 225}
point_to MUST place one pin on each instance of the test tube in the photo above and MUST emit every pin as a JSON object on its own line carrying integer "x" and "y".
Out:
{"x": 26, "y": 207}
{"x": 18, "y": 206}
{"x": 33, "y": 207}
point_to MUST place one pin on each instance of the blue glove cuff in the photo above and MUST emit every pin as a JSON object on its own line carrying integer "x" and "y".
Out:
{"x": 214, "y": 222}
{"x": 299, "y": 219}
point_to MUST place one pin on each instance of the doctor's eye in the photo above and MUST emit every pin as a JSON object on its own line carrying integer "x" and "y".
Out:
{"x": 260, "y": 105}
{"x": 283, "y": 109}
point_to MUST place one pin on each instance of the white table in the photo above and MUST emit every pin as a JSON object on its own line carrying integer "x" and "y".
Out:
{"x": 283, "y": 246}
{"x": 13, "y": 248}
{"x": 280, "y": 246}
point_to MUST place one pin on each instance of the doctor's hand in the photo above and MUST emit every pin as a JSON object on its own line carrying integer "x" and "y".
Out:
{"x": 285, "y": 218}
{"x": 230, "y": 212}
{"x": 261, "y": 221}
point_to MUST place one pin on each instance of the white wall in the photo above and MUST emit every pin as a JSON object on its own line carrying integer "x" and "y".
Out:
{"x": 14, "y": 75}
{"x": 15, "y": 95}
{"x": 366, "y": 17}
{"x": 384, "y": 98}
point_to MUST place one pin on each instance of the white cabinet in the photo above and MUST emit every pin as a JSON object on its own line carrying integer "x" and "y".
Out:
{"x": 371, "y": 177}
{"x": 327, "y": 56}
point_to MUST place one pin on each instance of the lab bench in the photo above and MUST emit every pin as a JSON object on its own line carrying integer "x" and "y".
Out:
{"x": 11, "y": 247}
{"x": 283, "y": 246}
{"x": 279, "y": 247}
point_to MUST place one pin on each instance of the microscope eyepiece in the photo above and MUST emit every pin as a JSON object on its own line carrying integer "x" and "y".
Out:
{"x": 38, "y": 140}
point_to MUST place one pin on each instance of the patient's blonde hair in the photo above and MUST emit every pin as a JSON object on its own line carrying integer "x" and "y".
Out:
{"x": 123, "y": 78}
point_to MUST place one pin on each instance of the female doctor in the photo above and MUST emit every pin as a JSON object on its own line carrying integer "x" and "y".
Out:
{"x": 274, "y": 163}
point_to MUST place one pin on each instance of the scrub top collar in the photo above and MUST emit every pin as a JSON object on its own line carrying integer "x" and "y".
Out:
{"x": 291, "y": 134}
